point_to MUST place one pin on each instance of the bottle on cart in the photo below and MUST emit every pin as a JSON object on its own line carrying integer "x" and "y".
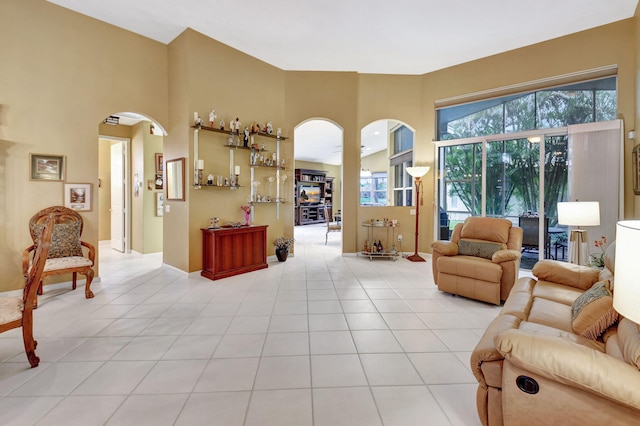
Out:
{"x": 380, "y": 246}
{"x": 366, "y": 246}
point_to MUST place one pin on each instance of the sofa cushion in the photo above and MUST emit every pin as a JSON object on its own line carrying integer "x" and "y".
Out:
{"x": 552, "y": 314}
{"x": 629, "y": 341}
{"x": 486, "y": 228}
{"x": 479, "y": 248}
{"x": 556, "y": 292}
{"x": 592, "y": 312}
{"x": 582, "y": 277}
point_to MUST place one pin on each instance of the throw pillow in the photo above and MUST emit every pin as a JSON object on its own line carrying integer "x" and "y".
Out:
{"x": 592, "y": 312}
{"x": 483, "y": 249}
{"x": 65, "y": 241}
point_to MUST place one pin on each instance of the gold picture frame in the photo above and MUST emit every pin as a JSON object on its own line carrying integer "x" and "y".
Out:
{"x": 635, "y": 158}
{"x": 159, "y": 163}
{"x": 77, "y": 196}
{"x": 47, "y": 167}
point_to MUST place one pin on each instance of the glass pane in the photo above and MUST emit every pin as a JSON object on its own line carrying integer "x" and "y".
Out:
{"x": 560, "y": 108}
{"x": 556, "y": 179}
{"x": 462, "y": 178}
{"x": 520, "y": 114}
{"x": 397, "y": 197}
{"x": 380, "y": 184}
{"x": 365, "y": 197}
{"x": 408, "y": 197}
{"x": 380, "y": 198}
{"x": 606, "y": 105}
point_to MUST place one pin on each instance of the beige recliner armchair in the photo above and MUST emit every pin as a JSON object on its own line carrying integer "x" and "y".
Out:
{"x": 481, "y": 261}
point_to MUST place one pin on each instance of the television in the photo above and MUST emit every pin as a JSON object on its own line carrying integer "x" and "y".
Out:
{"x": 309, "y": 194}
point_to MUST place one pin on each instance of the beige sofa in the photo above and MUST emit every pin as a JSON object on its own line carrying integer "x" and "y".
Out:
{"x": 534, "y": 365}
{"x": 481, "y": 261}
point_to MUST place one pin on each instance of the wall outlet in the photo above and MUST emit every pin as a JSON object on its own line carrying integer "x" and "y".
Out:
{"x": 412, "y": 212}
{"x": 167, "y": 208}
{"x": 400, "y": 238}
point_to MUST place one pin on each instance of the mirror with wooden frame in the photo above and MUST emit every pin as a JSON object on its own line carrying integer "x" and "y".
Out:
{"x": 175, "y": 179}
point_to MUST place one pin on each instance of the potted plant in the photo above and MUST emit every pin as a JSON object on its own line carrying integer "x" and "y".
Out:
{"x": 282, "y": 247}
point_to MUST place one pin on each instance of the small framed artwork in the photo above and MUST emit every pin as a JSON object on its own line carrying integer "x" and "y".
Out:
{"x": 635, "y": 158}
{"x": 159, "y": 181}
{"x": 47, "y": 167}
{"x": 159, "y": 203}
{"x": 159, "y": 163}
{"x": 77, "y": 196}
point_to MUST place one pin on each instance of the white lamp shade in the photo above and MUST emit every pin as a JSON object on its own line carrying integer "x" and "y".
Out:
{"x": 418, "y": 171}
{"x": 579, "y": 213}
{"x": 626, "y": 293}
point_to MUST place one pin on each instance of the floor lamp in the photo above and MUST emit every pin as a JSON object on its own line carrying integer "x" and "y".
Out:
{"x": 626, "y": 298}
{"x": 579, "y": 213}
{"x": 417, "y": 173}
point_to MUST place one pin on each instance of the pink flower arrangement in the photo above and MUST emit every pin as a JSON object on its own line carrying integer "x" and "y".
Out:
{"x": 597, "y": 259}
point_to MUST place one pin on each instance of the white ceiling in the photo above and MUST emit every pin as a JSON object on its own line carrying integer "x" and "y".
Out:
{"x": 373, "y": 36}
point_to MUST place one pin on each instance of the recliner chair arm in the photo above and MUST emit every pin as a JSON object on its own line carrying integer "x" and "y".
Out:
{"x": 505, "y": 255}
{"x": 446, "y": 248}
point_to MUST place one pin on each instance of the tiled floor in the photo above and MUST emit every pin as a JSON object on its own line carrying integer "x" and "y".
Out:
{"x": 321, "y": 339}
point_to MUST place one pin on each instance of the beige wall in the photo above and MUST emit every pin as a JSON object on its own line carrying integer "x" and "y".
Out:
{"x": 237, "y": 85}
{"x": 57, "y": 69}
{"x": 61, "y": 74}
{"x": 146, "y": 227}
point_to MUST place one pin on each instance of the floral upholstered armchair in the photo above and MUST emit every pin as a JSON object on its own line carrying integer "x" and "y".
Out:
{"x": 66, "y": 249}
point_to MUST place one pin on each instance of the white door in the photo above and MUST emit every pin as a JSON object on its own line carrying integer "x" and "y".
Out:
{"x": 117, "y": 196}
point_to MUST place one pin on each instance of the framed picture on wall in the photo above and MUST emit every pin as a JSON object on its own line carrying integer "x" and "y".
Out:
{"x": 635, "y": 158}
{"x": 159, "y": 181}
{"x": 159, "y": 163}
{"x": 159, "y": 203}
{"x": 47, "y": 167}
{"x": 77, "y": 196}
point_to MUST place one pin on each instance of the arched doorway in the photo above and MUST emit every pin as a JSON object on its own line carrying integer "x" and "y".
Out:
{"x": 318, "y": 144}
{"x": 130, "y": 183}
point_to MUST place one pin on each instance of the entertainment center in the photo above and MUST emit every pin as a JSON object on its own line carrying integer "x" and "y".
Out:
{"x": 313, "y": 191}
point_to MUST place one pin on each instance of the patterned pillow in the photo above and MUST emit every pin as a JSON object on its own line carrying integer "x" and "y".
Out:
{"x": 483, "y": 249}
{"x": 65, "y": 241}
{"x": 592, "y": 312}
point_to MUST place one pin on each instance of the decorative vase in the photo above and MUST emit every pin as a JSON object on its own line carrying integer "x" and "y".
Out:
{"x": 282, "y": 253}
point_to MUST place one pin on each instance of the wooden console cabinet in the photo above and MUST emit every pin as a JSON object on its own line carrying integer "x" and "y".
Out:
{"x": 232, "y": 251}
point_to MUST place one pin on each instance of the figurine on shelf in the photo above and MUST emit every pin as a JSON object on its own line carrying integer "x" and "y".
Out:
{"x": 263, "y": 129}
{"x": 197, "y": 121}
{"x": 237, "y": 125}
{"x": 255, "y": 128}
{"x": 210, "y": 180}
{"x": 222, "y": 124}
{"x": 246, "y": 137}
{"x": 269, "y": 128}
{"x": 212, "y": 117}
{"x": 232, "y": 126}
{"x": 279, "y": 132}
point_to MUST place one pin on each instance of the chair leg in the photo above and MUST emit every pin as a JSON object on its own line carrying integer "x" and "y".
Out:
{"x": 39, "y": 292}
{"x": 88, "y": 294}
{"x": 326, "y": 238}
{"x": 30, "y": 344}
{"x": 74, "y": 278}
